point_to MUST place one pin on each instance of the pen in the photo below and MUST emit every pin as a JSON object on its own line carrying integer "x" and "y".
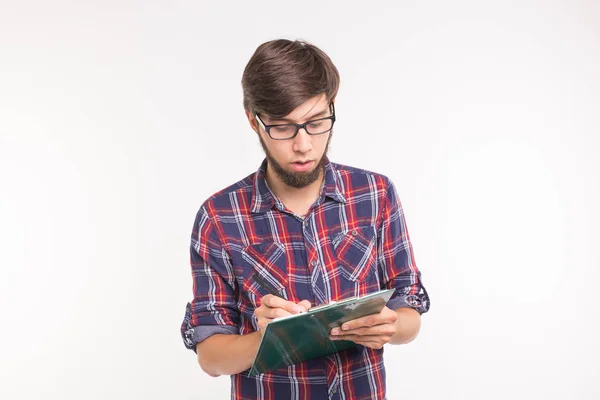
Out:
{"x": 267, "y": 287}
{"x": 264, "y": 285}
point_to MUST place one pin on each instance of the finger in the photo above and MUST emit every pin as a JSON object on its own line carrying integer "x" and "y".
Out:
{"x": 279, "y": 312}
{"x": 305, "y": 304}
{"x": 359, "y": 323}
{"x": 384, "y": 329}
{"x": 268, "y": 313}
{"x": 272, "y": 313}
{"x": 374, "y": 342}
{"x": 277, "y": 302}
{"x": 385, "y": 316}
{"x": 363, "y": 338}
{"x": 262, "y": 324}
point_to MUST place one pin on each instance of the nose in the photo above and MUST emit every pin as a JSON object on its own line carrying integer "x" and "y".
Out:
{"x": 302, "y": 142}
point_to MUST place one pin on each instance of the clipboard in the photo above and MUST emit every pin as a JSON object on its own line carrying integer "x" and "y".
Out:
{"x": 300, "y": 337}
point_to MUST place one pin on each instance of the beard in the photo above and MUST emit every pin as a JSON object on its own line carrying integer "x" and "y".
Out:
{"x": 296, "y": 180}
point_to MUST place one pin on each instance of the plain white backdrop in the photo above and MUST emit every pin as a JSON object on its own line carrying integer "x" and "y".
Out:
{"x": 118, "y": 118}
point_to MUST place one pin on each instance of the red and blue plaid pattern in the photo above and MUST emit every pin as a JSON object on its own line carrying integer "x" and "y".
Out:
{"x": 352, "y": 242}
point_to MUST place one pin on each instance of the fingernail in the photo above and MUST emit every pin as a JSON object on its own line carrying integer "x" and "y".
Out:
{"x": 345, "y": 327}
{"x": 335, "y": 332}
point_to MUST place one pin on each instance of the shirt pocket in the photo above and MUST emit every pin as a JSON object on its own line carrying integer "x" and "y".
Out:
{"x": 268, "y": 259}
{"x": 356, "y": 253}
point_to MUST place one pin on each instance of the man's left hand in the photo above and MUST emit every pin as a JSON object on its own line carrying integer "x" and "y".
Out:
{"x": 371, "y": 331}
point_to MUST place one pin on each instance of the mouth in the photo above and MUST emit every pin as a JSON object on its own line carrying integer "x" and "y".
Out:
{"x": 301, "y": 166}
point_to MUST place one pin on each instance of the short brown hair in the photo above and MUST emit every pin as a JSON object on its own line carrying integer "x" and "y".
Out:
{"x": 282, "y": 74}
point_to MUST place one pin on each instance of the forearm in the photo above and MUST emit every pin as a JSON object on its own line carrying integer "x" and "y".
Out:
{"x": 408, "y": 325}
{"x": 223, "y": 354}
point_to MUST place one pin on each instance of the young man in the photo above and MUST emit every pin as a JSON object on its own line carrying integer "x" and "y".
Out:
{"x": 315, "y": 230}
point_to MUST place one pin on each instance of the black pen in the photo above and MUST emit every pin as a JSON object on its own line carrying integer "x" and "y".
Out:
{"x": 267, "y": 287}
{"x": 264, "y": 285}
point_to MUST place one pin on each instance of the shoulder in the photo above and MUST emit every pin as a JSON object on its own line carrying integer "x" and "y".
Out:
{"x": 356, "y": 177}
{"x": 237, "y": 194}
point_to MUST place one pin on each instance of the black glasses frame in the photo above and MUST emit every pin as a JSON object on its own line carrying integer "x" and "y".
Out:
{"x": 299, "y": 126}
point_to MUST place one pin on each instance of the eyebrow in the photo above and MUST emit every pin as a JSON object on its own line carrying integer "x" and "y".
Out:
{"x": 314, "y": 116}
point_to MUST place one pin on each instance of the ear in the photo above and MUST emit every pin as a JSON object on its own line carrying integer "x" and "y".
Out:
{"x": 252, "y": 120}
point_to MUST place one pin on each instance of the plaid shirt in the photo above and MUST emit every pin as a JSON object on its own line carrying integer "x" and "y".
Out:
{"x": 353, "y": 241}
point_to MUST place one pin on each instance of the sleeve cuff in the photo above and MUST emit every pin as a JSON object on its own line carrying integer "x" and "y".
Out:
{"x": 192, "y": 335}
{"x": 418, "y": 302}
{"x": 195, "y": 335}
{"x": 413, "y": 301}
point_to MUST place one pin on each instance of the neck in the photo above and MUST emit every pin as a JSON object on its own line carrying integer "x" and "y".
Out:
{"x": 297, "y": 200}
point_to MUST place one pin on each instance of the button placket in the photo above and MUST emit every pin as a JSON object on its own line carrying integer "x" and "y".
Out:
{"x": 312, "y": 263}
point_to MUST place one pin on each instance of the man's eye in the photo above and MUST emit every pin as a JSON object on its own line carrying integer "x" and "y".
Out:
{"x": 315, "y": 124}
{"x": 284, "y": 128}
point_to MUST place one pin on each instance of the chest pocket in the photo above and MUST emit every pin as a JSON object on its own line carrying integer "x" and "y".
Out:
{"x": 356, "y": 253}
{"x": 269, "y": 260}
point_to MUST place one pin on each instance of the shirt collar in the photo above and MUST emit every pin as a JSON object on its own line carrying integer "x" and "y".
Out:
{"x": 263, "y": 198}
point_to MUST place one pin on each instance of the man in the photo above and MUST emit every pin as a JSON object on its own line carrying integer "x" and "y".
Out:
{"x": 315, "y": 230}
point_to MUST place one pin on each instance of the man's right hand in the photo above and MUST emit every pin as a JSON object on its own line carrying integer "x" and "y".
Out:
{"x": 272, "y": 307}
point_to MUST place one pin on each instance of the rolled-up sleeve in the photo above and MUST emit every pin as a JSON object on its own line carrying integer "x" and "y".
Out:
{"x": 396, "y": 263}
{"x": 213, "y": 308}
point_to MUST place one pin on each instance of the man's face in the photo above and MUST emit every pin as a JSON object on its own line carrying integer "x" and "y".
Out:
{"x": 298, "y": 162}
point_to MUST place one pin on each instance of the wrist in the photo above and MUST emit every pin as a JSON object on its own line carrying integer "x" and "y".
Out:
{"x": 408, "y": 325}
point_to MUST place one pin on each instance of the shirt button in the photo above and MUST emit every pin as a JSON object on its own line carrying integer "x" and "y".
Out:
{"x": 354, "y": 233}
{"x": 313, "y": 263}
{"x": 334, "y": 390}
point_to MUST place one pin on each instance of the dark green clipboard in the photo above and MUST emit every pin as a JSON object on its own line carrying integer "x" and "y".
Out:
{"x": 301, "y": 337}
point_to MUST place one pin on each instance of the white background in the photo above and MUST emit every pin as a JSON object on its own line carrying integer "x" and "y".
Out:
{"x": 118, "y": 118}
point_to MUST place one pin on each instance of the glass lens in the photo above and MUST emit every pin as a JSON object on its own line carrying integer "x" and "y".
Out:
{"x": 283, "y": 131}
{"x": 319, "y": 126}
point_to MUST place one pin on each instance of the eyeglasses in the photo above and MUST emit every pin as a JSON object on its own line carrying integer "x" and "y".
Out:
{"x": 289, "y": 131}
